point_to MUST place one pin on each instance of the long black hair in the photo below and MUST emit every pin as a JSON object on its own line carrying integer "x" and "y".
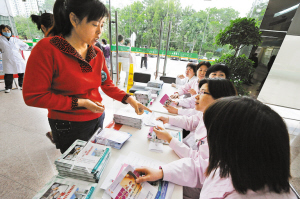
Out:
{"x": 92, "y": 9}
{"x": 248, "y": 142}
{"x": 45, "y": 19}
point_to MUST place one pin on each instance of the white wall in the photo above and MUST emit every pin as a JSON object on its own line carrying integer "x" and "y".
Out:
{"x": 3, "y": 8}
{"x": 282, "y": 86}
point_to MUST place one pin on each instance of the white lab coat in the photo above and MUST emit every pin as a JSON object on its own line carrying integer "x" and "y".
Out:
{"x": 12, "y": 59}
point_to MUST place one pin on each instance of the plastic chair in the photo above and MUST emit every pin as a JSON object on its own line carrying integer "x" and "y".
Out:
{"x": 140, "y": 78}
{"x": 168, "y": 80}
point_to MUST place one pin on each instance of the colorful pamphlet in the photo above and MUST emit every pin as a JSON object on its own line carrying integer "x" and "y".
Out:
{"x": 167, "y": 101}
{"x": 152, "y": 136}
{"x": 125, "y": 187}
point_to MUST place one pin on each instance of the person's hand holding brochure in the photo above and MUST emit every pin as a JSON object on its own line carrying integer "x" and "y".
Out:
{"x": 125, "y": 186}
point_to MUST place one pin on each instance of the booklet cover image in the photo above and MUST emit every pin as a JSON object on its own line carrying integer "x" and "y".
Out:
{"x": 125, "y": 187}
{"x": 55, "y": 191}
{"x": 73, "y": 153}
{"x": 128, "y": 183}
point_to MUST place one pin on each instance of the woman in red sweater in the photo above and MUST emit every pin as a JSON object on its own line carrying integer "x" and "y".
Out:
{"x": 64, "y": 72}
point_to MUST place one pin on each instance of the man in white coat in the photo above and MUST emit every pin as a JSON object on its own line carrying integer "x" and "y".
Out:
{"x": 12, "y": 60}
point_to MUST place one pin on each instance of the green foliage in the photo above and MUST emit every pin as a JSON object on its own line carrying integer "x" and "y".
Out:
{"x": 240, "y": 69}
{"x": 188, "y": 25}
{"x": 209, "y": 55}
{"x": 241, "y": 32}
{"x": 26, "y": 27}
{"x": 172, "y": 49}
{"x": 48, "y": 6}
{"x": 195, "y": 51}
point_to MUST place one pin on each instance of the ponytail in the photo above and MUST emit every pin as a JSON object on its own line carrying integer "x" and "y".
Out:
{"x": 37, "y": 20}
{"x": 62, "y": 22}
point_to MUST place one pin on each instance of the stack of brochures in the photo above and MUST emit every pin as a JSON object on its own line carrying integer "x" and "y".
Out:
{"x": 155, "y": 84}
{"x": 111, "y": 137}
{"x": 127, "y": 116}
{"x": 83, "y": 161}
{"x": 66, "y": 188}
{"x": 144, "y": 97}
{"x": 124, "y": 186}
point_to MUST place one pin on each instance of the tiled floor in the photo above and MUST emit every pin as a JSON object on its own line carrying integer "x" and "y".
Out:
{"x": 27, "y": 156}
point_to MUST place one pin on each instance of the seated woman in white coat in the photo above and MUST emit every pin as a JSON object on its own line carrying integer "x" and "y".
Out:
{"x": 191, "y": 88}
{"x": 215, "y": 71}
{"x": 249, "y": 154}
{"x": 209, "y": 91}
{"x": 12, "y": 60}
{"x": 190, "y": 75}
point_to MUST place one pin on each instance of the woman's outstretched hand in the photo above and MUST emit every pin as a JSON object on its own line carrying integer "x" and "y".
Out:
{"x": 95, "y": 107}
{"x": 138, "y": 107}
{"x": 162, "y": 134}
{"x": 149, "y": 174}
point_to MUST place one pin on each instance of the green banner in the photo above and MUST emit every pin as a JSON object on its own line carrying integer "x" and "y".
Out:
{"x": 184, "y": 55}
{"x": 193, "y": 55}
{"x": 36, "y": 40}
{"x": 137, "y": 50}
{"x": 162, "y": 52}
{"x": 173, "y": 53}
{"x": 121, "y": 48}
{"x": 29, "y": 43}
{"x": 153, "y": 51}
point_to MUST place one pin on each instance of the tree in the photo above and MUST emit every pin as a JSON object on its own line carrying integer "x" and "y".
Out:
{"x": 241, "y": 32}
{"x": 25, "y": 27}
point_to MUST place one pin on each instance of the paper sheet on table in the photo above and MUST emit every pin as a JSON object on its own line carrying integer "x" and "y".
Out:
{"x": 150, "y": 120}
{"x": 156, "y": 147}
{"x": 169, "y": 126}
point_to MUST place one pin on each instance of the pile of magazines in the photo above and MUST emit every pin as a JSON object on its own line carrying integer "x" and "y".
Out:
{"x": 127, "y": 116}
{"x": 66, "y": 188}
{"x": 111, "y": 137}
{"x": 144, "y": 97}
{"x": 84, "y": 161}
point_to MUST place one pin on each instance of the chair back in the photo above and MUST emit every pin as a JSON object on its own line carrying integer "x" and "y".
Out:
{"x": 168, "y": 80}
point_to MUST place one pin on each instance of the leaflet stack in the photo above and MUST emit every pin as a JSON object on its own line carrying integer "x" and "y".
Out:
{"x": 144, "y": 97}
{"x": 83, "y": 161}
{"x": 127, "y": 116}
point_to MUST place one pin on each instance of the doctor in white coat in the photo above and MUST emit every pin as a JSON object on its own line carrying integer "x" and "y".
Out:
{"x": 13, "y": 62}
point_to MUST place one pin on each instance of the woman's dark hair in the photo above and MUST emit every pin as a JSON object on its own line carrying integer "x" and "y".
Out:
{"x": 104, "y": 41}
{"x": 127, "y": 41}
{"x": 219, "y": 87}
{"x": 120, "y": 38}
{"x": 248, "y": 142}
{"x": 46, "y": 19}
{"x": 92, "y": 9}
{"x": 218, "y": 67}
{"x": 2, "y": 26}
{"x": 5, "y": 26}
{"x": 194, "y": 67}
{"x": 206, "y": 63}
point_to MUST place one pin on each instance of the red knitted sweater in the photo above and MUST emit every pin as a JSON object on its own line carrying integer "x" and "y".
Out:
{"x": 56, "y": 75}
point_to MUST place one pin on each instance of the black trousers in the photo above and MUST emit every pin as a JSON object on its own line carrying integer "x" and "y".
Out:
{"x": 144, "y": 59}
{"x": 9, "y": 78}
{"x": 66, "y": 132}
